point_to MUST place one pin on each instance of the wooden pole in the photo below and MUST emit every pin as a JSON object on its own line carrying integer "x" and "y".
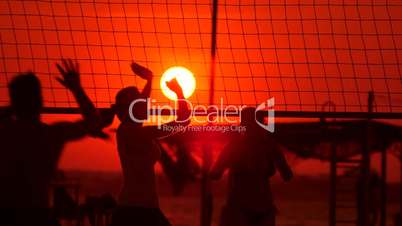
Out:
{"x": 332, "y": 198}
{"x": 365, "y": 169}
{"x": 383, "y": 213}
{"x": 400, "y": 185}
{"x": 213, "y": 51}
{"x": 206, "y": 193}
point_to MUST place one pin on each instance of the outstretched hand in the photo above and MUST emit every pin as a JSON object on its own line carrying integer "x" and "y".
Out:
{"x": 175, "y": 87}
{"x": 141, "y": 71}
{"x": 70, "y": 72}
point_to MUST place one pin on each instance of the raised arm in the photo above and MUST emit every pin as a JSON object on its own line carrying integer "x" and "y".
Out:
{"x": 183, "y": 113}
{"x": 70, "y": 79}
{"x": 146, "y": 74}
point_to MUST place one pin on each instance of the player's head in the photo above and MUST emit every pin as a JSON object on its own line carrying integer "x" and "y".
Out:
{"x": 124, "y": 99}
{"x": 26, "y": 96}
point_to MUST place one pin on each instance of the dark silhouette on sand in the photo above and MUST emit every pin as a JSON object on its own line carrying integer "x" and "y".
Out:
{"x": 251, "y": 158}
{"x": 138, "y": 201}
{"x": 31, "y": 149}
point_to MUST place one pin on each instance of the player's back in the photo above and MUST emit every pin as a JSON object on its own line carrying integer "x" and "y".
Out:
{"x": 29, "y": 159}
{"x": 138, "y": 156}
{"x": 249, "y": 173}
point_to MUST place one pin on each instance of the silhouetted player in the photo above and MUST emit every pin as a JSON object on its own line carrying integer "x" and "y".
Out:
{"x": 251, "y": 159}
{"x": 30, "y": 149}
{"x": 138, "y": 201}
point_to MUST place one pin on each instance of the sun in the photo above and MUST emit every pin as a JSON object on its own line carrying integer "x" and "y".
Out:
{"x": 184, "y": 77}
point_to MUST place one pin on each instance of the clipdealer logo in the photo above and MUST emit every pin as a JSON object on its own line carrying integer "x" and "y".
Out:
{"x": 211, "y": 112}
{"x": 269, "y": 107}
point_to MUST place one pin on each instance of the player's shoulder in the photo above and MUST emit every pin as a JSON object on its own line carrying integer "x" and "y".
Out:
{"x": 125, "y": 127}
{"x": 129, "y": 130}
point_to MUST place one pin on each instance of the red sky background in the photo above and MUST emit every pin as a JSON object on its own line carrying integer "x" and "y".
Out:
{"x": 303, "y": 53}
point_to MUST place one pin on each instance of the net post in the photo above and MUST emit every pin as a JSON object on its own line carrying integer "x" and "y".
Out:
{"x": 213, "y": 52}
{"x": 365, "y": 169}
{"x": 206, "y": 193}
{"x": 399, "y": 216}
{"x": 383, "y": 181}
{"x": 332, "y": 198}
{"x": 383, "y": 214}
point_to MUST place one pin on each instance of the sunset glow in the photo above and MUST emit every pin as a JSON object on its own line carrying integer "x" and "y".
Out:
{"x": 185, "y": 78}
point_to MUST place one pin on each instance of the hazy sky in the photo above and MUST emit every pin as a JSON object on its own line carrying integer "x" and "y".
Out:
{"x": 303, "y": 53}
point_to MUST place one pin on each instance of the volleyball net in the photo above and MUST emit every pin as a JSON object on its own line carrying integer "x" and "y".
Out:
{"x": 302, "y": 53}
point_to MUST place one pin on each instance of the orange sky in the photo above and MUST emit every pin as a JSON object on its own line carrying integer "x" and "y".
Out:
{"x": 303, "y": 53}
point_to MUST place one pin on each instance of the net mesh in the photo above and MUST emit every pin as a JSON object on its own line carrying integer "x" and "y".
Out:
{"x": 303, "y": 53}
